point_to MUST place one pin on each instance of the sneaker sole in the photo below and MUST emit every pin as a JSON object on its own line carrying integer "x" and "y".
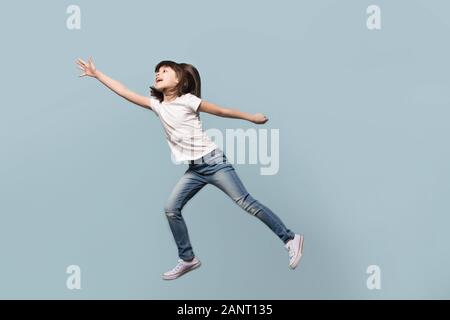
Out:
{"x": 173, "y": 277}
{"x": 299, "y": 256}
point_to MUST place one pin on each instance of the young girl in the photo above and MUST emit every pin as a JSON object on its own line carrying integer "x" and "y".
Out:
{"x": 176, "y": 99}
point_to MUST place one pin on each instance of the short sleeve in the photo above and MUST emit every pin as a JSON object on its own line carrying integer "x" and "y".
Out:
{"x": 192, "y": 101}
{"x": 154, "y": 103}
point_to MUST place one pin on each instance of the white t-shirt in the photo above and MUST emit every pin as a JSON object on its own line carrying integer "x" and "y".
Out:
{"x": 183, "y": 128}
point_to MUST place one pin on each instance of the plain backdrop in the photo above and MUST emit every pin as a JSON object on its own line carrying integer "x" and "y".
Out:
{"x": 364, "y": 159}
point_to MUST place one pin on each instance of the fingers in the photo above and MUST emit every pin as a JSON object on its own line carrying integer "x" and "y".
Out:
{"x": 81, "y": 65}
{"x": 85, "y": 66}
{"x": 91, "y": 63}
{"x": 263, "y": 120}
{"x": 82, "y": 68}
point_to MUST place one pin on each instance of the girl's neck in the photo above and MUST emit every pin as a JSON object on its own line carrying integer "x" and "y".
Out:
{"x": 169, "y": 97}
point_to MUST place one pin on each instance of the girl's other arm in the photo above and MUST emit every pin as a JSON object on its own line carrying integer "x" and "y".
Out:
{"x": 214, "y": 109}
{"x": 90, "y": 70}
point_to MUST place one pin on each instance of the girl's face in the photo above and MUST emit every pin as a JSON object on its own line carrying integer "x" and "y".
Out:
{"x": 165, "y": 78}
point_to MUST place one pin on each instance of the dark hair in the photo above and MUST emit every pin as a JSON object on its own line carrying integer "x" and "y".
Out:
{"x": 188, "y": 75}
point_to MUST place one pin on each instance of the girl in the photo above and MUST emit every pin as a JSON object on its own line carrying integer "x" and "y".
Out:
{"x": 176, "y": 99}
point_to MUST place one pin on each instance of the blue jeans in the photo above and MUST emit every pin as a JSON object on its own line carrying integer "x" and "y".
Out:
{"x": 215, "y": 169}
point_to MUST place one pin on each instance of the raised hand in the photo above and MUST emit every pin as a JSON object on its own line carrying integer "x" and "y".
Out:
{"x": 87, "y": 68}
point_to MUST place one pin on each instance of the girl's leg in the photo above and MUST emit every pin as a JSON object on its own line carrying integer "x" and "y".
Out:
{"x": 227, "y": 180}
{"x": 189, "y": 184}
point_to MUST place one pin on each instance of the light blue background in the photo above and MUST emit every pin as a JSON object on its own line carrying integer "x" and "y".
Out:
{"x": 364, "y": 158}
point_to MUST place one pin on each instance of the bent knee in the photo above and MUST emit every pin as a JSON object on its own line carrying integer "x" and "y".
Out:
{"x": 171, "y": 210}
{"x": 171, "y": 214}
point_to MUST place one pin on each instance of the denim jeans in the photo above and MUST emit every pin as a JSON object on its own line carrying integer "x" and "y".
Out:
{"x": 215, "y": 169}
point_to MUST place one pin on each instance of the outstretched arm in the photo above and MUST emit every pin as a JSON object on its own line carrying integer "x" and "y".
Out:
{"x": 90, "y": 70}
{"x": 212, "y": 108}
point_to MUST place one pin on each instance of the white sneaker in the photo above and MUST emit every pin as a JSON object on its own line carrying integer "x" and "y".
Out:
{"x": 181, "y": 268}
{"x": 295, "y": 249}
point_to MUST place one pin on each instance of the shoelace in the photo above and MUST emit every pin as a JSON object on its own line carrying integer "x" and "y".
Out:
{"x": 178, "y": 266}
{"x": 290, "y": 249}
